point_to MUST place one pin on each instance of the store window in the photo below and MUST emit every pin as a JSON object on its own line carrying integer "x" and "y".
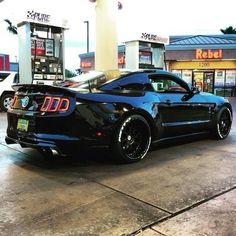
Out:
{"x": 219, "y": 82}
{"x": 225, "y": 83}
{"x": 230, "y": 78}
{"x": 230, "y": 83}
{"x": 187, "y": 76}
{"x": 177, "y": 72}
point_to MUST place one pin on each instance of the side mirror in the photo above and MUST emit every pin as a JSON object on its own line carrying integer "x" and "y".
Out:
{"x": 195, "y": 90}
{"x": 192, "y": 91}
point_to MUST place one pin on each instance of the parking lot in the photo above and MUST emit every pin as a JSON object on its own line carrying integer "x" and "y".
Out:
{"x": 186, "y": 187}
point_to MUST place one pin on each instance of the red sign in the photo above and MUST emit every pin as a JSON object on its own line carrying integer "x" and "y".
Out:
{"x": 4, "y": 62}
{"x": 88, "y": 62}
{"x": 121, "y": 59}
{"x": 85, "y": 64}
{"x": 209, "y": 54}
{"x": 38, "y": 47}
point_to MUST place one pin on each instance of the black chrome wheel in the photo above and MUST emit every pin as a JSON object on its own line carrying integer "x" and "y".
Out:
{"x": 132, "y": 139}
{"x": 223, "y": 125}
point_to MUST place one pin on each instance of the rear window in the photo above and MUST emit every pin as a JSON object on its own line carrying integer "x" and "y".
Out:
{"x": 132, "y": 81}
{"x": 89, "y": 84}
{"x": 3, "y": 76}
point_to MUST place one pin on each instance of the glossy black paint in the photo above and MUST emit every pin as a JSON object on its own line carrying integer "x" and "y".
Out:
{"x": 93, "y": 117}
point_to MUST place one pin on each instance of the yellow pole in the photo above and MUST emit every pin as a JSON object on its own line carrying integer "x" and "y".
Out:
{"x": 106, "y": 52}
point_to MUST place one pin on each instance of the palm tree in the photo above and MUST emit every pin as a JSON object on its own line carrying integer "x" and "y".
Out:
{"x": 229, "y": 30}
{"x": 11, "y": 28}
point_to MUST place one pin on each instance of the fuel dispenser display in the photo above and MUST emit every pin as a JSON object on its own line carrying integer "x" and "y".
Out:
{"x": 46, "y": 53}
{"x": 41, "y": 48}
{"x": 147, "y": 51}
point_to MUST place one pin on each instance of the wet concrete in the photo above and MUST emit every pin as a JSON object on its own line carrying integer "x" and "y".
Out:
{"x": 176, "y": 186}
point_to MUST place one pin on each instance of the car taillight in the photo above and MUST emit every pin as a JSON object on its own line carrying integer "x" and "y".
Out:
{"x": 13, "y": 102}
{"x": 52, "y": 104}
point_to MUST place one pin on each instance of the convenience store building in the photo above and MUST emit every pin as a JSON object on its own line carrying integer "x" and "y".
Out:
{"x": 208, "y": 61}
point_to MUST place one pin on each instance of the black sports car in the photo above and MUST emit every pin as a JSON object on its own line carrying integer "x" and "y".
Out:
{"x": 126, "y": 114}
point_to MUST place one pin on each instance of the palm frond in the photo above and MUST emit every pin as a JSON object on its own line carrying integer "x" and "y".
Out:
{"x": 11, "y": 28}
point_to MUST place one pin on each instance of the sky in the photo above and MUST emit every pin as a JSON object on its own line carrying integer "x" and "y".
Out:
{"x": 161, "y": 17}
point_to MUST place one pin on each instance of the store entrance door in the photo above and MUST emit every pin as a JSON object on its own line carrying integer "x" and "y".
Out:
{"x": 208, "y": 80}
{"x": 204, "y": 81}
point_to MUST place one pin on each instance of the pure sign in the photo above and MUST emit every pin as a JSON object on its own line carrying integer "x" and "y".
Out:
{"x": 37, "y": 16}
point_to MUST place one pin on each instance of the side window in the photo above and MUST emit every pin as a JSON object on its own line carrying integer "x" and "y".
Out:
{"x": 130, "y": 82}
{"x": 3, "y": 76}
{"x": 166, "y": 85}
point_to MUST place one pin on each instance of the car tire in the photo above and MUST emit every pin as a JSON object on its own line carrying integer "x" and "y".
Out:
{"x": 5, "y": 101}
{"x": 131, "y": 140}
{"x": 223, "y": 123}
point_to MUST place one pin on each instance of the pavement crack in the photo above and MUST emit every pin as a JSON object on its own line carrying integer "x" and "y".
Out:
{"x": 158, "y": 232}
{"x": 130, "y": 196}
{"x": 172, "y": 215}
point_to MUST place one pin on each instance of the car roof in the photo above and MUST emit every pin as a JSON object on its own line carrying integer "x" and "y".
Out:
{"x": 152, "y": 72}
{"x": 86, "y": 76}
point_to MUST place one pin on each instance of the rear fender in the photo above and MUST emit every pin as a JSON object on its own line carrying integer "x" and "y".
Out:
{"x": 143, "y": 113}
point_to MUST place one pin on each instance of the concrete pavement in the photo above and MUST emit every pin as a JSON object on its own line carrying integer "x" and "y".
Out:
{"x": 183, "y": 188}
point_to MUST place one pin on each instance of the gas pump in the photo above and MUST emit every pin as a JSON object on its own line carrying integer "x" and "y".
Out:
{"x": 41, "y": 48}
{"x": 146, "y": 52}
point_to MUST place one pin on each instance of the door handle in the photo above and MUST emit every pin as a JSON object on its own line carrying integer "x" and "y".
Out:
{"x": 168, "y": 101}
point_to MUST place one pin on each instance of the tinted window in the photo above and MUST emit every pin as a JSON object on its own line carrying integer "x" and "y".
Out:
{"x": 3, "y": 76}
{"x": 90, "y": 83}
{"x": 166, "y": 85}
{"x": 138, "y": 82}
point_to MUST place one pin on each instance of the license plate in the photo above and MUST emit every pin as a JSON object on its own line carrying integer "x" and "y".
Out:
{"x": 22, "y": 124}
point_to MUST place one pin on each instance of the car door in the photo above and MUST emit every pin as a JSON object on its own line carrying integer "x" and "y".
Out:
{"x": 180, "y": 110}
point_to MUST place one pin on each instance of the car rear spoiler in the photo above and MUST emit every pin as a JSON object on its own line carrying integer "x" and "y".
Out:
{"x": 42, "y": 88}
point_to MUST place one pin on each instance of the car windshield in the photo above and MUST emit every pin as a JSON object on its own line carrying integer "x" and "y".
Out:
{"x": 90, "y": 81}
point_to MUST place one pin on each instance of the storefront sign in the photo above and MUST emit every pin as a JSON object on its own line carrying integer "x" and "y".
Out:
{"x": 204, "y": 64}
{"x": 4, "y": 62}
{"x": 208, "y": 54}
{"x": 219, "y": 64}
{"x": 89, "y": 63}
{"x": 86, "y": 64}
{"x": 121, "y": 59}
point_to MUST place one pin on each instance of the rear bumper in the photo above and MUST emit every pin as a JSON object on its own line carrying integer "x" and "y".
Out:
{"x": 61, "y": 143}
